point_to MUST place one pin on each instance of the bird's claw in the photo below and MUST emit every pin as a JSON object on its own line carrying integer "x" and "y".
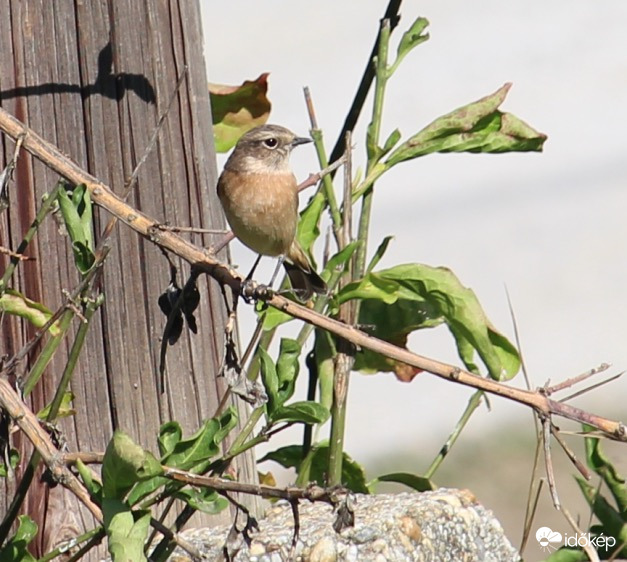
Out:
{"x": 251, "y": 291}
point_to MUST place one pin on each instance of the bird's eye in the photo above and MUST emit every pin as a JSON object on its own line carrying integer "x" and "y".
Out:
{"x": 271, "y": 142}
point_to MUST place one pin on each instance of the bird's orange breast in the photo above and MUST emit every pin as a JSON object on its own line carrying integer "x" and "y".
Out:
{"x": 262, "y": 209}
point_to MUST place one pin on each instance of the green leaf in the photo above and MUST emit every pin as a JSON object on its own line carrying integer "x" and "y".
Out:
{"x": 601, "y": 464}
{"x": 81, "y": 198}
{"x": 413, "y": 37}
{"x": 194, "y": 454}
{"x": 413, "y": 481}
{"x": 65, "y": 408}
{"x": 301, "y": 412}
{"x": 77, "y": 215}
{"x": 287, "y": 367}
{"x": 379, "y": 253}
{"x": 170, "y": 433}
{"x": 93, "y": 486}
{"x": 316, "y": 464}
{"x": 271, "y": 317}
{"x": 477, "y": 127}
{"x": 325, "y": 352}
{"x": 372, "y": 150}
{"x": 614, "y": 523}
{"x": 143, "y": 489}
{"x": 237, "y": 109}
{"x": 203, "y": 499}
{"x": 270, "y": 381}
{"x": 567, "y": 555}
{"x": 353, "y": 474}
{"x": 127, "y": 530}
{"x": 16, "y": 549}
{"x": 308, "y": 229}
{"x": 339, "y": 260}
{"x": 14, "y": 458}
{"x": 391, "y": 141}
{"x": 405, "y": 298}
{"x": 14, "y": 302}
{"x": 125, "y": 463}
{"x": 289, "y": 456}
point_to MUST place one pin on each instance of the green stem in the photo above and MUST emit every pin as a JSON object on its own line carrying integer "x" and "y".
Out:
{"x": 345, "y": 358}
{"x": 233, "y": 452}
{"x": 79, "y": 340}
{"x": 64, "y": 547}
{"x": 374, "y": 174}
{"x": 327, "y": 182}
{"x": 19, "y": 496}
{"x": 338, "y": 418}
{"x": 91, "y": 543}
{"x": 235, "y": 447}
{"x": 473, "y": 403}
{"x": 48, "y": 351}
{"x": 374, "y": 132}
{"x": 30, "y": 233}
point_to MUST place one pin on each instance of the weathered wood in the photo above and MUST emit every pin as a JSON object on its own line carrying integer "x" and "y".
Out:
{"x": 93, "y": 77}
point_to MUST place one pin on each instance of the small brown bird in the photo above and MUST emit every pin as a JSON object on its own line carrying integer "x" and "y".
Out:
{"x": 258, "y": 192}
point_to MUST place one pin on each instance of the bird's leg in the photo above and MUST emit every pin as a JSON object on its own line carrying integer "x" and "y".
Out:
{"x": 246, "y": 289}
{"x": 276, "y": 271}
{"x": 250, "y": 275}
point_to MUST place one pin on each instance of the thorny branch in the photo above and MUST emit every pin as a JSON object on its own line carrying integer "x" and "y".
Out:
{"x": 206, "y": 262}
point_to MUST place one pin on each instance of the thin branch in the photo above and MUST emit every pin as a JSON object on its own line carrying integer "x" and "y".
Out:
{"x": 313, "y": 179}
{"x": 289, "y": 493}
{"x": 546, "y": 441}
{"x": 571, "y": 454}
{"x": 327, "y": 183}
{"x": 587, "y": 546}
{"x": 523, "y": 365}
{"x": 175, "y": 537}
{"x": 148, "y": 227}
{"x": 574, "y": 380}
{"x": 345, "y": 358}
{"x": 591, "y": 387}
{"x": 12, "y": 254}
{"x": 155, "y": 134}
{"x": 193, "y": 229}
{"x": 6, "y": 176}
{"x": 532, "y": 503}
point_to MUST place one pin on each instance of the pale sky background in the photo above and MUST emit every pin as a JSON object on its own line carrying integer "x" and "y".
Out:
{"x": 550, "y": 226}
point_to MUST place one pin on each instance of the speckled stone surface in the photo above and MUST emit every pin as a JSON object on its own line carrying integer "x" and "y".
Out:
{"x": 440, "y": 526}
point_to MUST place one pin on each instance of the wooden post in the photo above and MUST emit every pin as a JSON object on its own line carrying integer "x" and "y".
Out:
{"x": 93, "y": 78}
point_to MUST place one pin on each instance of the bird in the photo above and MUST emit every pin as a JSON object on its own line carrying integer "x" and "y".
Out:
{"x": 259, "y": 195}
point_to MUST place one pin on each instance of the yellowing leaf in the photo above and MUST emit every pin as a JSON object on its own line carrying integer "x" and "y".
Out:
{"x": 237, "y": 109}
{"x": 14, "y": 302}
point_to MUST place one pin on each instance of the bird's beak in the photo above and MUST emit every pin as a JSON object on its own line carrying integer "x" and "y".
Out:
{"x": 300, "y": 140}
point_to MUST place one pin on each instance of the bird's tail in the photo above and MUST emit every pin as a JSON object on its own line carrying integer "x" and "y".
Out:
{"x": 303, "y": 278}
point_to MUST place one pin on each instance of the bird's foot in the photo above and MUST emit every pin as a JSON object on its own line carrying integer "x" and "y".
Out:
{"x": 251, "y": 291}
